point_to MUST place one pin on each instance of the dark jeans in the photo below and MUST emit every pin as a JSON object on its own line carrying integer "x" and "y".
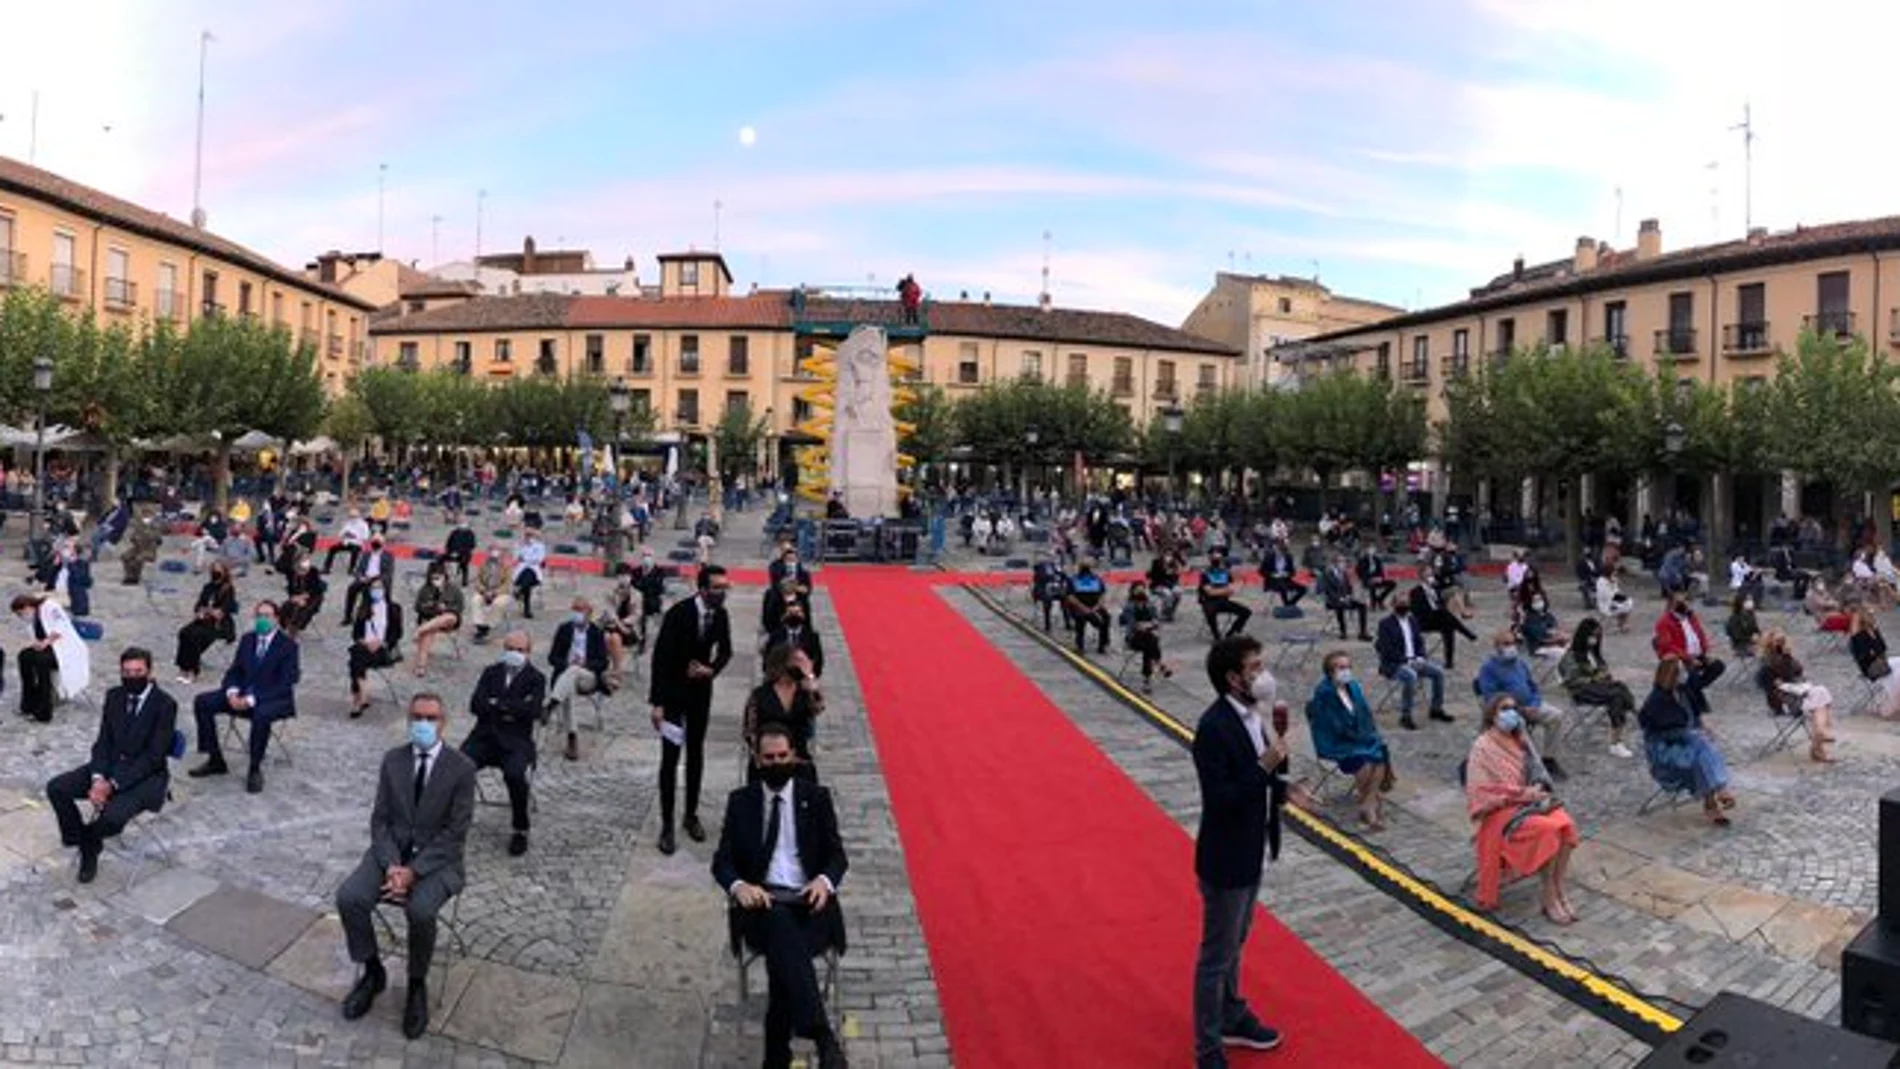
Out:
{"x": 206, "y": 709}
{"x": 1614, "y": 697}
{"x": 788, "y": 936}
{"x": 1226, "y": 918}
{"x": 1291, "y": 590}
{"x": 513, "y": 753}
{"x": 694, "y": 719}
{"x": 1096, "y": 618}
{"x": 356, "y": 900}
{"x": 1215, "y": 608}
{"x": 66, "y": 789}
{"x": 1702, "y": 676}
{"x": 1148, "y": 644}
{"x": 36, "y": 683}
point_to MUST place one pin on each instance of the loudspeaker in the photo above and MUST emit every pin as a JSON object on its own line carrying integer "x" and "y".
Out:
{"x": 1890, "y": 858}
{"x": 1870, "y": 977}
{"x": 1737, "y": 1032}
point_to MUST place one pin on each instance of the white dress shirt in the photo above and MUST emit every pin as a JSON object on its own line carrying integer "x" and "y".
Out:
{"x": 1256, "y": 728}
{"x": 785, "y": 869}
{"x": 1690, "y": 643}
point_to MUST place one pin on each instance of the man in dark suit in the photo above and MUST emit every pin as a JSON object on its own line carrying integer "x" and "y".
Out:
{"x": 578, "y": 661}
{"x": 694, "y": 645}
{"x": 1241, "y": 765}
{"x": 509, "y": 697}
{"x": 1279, "y": 574}
{"x": 1402, "y": 656}
{"x": 425, "y": 801}
{"x": 260, "y": 686}
{"x": 459, "y": 549}
{"x": 1335, "y": 586}
{"x": 794, "y": 631}
{"x": 127, "y": 773}
{"x": 375, "y": 567}
{"x": 780, "y": 860}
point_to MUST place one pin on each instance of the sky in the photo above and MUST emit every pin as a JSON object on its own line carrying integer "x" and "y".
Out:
{"x": 1400, "y": 151}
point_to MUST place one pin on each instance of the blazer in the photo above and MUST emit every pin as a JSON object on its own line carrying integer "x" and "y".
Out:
{"x": 1240, "y": 801}
{"x": 128, "y": 752}
{"x": 392, "y": 633}
{"x": 427, "y": 837}
{"x": 807, "y": 640}
{"x": 387, "y": 575}
{"x": 680, "y": 644}
{"x": 273, "y": 679}
{"x": 1671, "y": 639}
{"x": 1389, "y": 643}
{"x": 222, "y": 597}
{"x": 460, "y": 544}
{"x": 744, "y": 854}
{"x": 596, "y": 657}
{"x": 1335, "y": 586}
{"x": 502, "y": 708}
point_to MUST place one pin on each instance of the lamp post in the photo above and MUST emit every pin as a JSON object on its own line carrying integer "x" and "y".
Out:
{"x": 1673, "y": 440}
{"x": 1171, "y": 422}
{"x": 618, "y": 399}
{"x": 1031, "y": 436}
{"x": 42, "y": 385}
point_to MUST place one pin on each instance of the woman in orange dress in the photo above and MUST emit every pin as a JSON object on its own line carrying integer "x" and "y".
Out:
{"x": 1518, "y": 826}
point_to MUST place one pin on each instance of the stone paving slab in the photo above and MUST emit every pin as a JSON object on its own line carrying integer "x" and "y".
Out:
{"x": 245, "y": 926}
{"x": 515, "y": 1011}
{"x": 618, "y": 1026}
{"x": 166, "y": 893}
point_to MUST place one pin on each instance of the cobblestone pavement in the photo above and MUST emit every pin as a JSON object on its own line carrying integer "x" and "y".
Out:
{"x": 1678, "y": 908}
{"x": 590, "y": 951}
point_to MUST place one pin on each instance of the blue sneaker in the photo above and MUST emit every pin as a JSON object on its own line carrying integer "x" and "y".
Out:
{"x": 1250, "y": 1034}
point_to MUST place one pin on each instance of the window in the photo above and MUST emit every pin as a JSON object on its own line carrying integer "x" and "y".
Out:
{"x": 1460, "y": 350}
{"x": 464, "y": 357}
{"x": 596, "y": 355}
{"x": 1286, "y": 306}
{"x": 1207, "y": 380}
{"x": 277, "y": 309}
{"x": 738, "y": 401}
{"x": 738, "y": 356}
{"x": 689, "y": 273}
{"x": 1749, "y": 333}
{"x": 119, "y": 278}
{"x": 689, "y": 354}
{"x": 210, "y": 292}
{"x": 1032, "y": 364}
{"x": 504, "y": 350}
{"x": 1830, "y": 302}
{"x": 406, "y": 356}
{"x": 641, "y": 362}
{"x": 801, "y": 410}
{"x": 1678, "y": 339}
{"x": 244, "y": 298}
{"x": 12, "y": 267}
{"x": 687, "y": 411}
{"x": 642, "y": 401}
{"x": 1079, "y": 369}
{"x": 335, "y": 339}
{"x": 547, "y": 360}
{"x": 1164, "y": 379}
{"x": 1507, "y": 337}
{"x": 1421, "y": 355}
{"x": 1383, "y": 367}
{"x": 417, "y": 304}
{"x": 306, "y": 321}
{"x": 1557, "y": 327}
{"x": 1124, "y": 383}
{"x": 63, "y": 279}
{"x": 171, "y": 303}
{"x": 1616, "y": 327}
{"x": 966, "y": 363}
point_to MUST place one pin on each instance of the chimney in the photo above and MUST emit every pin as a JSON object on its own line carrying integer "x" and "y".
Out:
{"x": 1757, "y": 235}
{"x": 1517, "y": 269}
{"x": 986, "y": 296}
{"x": 1586, "y": 255}
{"x": 629, "y": 266}
{"x": 326, "y": 266}
{"x": 1648, "y": 240}
{"x": 527, "y": 255}
{"x": 1045, "y": 302}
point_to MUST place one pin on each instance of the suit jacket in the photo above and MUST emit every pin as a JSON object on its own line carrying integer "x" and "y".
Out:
{"x": 1240, "y": 801}
{"x": 807, "y": 640}
{"x": 1390, "y": 641}
{"x": 1335, "y": 586}
{"x": 224, "y": 599}
{"x": 744, "y": 854}
{"x": 272, "y": 680}
{"x": 680, "y": 644}
{"x": 503, "y": 708}
{"x": 596, "y": 658}
{"x": 392, "y": 631}
{"x": 428, "y": 837}
{"x": 387, "y": 575}
{"x": 460, "y": 544}
{"x": 128, "y": 752}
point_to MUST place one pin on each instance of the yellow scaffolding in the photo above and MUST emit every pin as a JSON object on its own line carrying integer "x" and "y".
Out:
{"x": 820, "y": 370}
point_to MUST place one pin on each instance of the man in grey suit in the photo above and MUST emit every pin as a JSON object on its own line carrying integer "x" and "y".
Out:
{"x": 425, "y": 800}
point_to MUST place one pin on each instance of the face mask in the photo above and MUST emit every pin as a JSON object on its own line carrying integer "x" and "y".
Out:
{"x": 134, "y": 685}
{"x": 715, "y": 598}
{"x": 577, "y": 617}
{"x": 1748, "y": 606}
{"x": 422, "y": 734}
{"x": 775, "y": 776}
{"x": 1537, "y": 605}
{"x": 376, "y": 595}
{"x": 436, "y": 581}
{"x": 263, "y": 625}
{"x": 1510, "y": 721}
{"x": 1343, "y": 676}
{"x": 515, "y": 660}
{"x": 1265, "y": 688}
{"x": 1509, "y": 653}
{"x": 794, "y": 618}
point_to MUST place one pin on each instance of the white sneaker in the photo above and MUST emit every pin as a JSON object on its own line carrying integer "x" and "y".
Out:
{"x": 1617, "y": 749}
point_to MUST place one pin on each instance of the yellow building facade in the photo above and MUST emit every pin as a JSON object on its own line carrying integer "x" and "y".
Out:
{"x": 130, "y": 265}
{"x": 1257, "y": 313}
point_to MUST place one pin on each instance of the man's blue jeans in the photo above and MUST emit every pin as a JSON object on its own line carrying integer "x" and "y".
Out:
{"x": 1226, "y": 917}
{"x": 1408, "y": 677}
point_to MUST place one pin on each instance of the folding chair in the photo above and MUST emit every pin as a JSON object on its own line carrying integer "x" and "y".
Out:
{"x": 743, "y": 956}
{"x": 1296, "y": 649}
{"x": 1745, "y": 666}
{"x": 281, "y": 737}
{"x": 146, "y": 824}
{"x": 448, "y": 943}
{"x": 1585, "y": 714}
{"x": 500, "y": 801}
{"x": 1393, "y": 688}
{"x": 1784, "y": 732}
{"x": 1671, "y": 797}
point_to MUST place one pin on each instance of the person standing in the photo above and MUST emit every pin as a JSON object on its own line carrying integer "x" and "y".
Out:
{"x": 1240, "y": 762}
{"x": 693, "y": 647}
{"x": 127, "y": 772}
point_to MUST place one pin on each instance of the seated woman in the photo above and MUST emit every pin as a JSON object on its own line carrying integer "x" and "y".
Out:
{"x": 1781, "y": 679}
{"x": 303, "y": 597}
{"x": 1344, "y": 733}
{"x": 1744, "y": 630}
{"x": 214, "y": 617}
{"x": 1141, "y": 633}
{"x": 788, "y": 695}
{"x": 1867, "y": 579}
{"x": 1827, "y": 610}
{"x": 439, "y": 608}
{"x": 1612, "y": 602}
{"x": 1536, "y": 624}
{"x": 1869, "y": 648}
{"x": 1681, "y": 757}
{"x": 1589, "y": 681}
{"x": 1519, "y": 826}
{"x": 376, "y": 636}
{"x": 621, "y": 622}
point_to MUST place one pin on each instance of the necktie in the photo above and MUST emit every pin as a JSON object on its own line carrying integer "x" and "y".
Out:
{"x": 772, "y": 824}
{"x": 422, "y": 774}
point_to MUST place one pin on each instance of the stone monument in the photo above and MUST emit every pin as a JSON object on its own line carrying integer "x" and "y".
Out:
{"x": 863, "y": 431}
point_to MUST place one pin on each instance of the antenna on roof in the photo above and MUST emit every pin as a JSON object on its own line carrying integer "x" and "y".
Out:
{"x": 1715, "y": 200}
{"x": 435, "y": 241}
{"x": 718, "y": 206}
{"x": 1747, "y": 127}
{"x": 1044, "y": 298}
{"x": 1616, "y": 235}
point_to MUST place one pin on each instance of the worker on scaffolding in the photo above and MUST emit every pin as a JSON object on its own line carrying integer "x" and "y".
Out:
{"x": 911, "y": 296}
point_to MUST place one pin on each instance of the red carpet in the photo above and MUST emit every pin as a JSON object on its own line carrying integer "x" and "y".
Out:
{"x": 1057, "y": 899}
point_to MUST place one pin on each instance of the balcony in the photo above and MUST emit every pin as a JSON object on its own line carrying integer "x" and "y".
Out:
{"x": 121, "y": 294}
{"x": 1500, "y": 355}
{"x": 169, "y": 305}
{"x": 1203, "y": 390}
{"x": 336, "y": 345}
{"x": 1121, "y": 387}
{"x": 12, "y": 268}
{"x": 67, "y": 282}
{"x": 1676, "y": 342}
{"x": 1839, "y": 324}
{"x": 1417, "y": 370}
{"x": 1617, "y": 344}
{"x": 689, "y": 369}
{"x": 1077, "y": 382}
{"x": 688, "y": 417}
{"x": 1455, "y": 366}
{"x": 1746, "y": 339}
{"x": 211, "y": 310}
{"x": 1165, "y": 390}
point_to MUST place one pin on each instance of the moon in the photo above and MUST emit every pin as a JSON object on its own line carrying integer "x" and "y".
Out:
{"x": 748, "y": 136}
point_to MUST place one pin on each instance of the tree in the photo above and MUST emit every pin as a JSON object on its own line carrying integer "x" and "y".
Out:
{"x": 349, "y": 424}
{"x": 1834, "y": 416}
{"x": 736, "y": 438}
{"x": 228, "y": 376}
{"x": 932, "y": 417}
{"x": 395, "y": 401}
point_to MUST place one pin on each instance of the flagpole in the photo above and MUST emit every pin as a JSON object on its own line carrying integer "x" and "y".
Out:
{"x": 198, "y": 165}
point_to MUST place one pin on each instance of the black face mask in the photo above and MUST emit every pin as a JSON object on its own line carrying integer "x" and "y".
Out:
{"x": 775, "y": 776}
{"x": 794, "y": 619}
{"x": 134, "y": 686}
{"x": 714, "y": 598}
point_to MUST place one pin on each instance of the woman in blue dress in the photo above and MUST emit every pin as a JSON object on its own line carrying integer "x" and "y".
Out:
{"x": 1344, "y": 734}
{"x": 1681, "y": 757}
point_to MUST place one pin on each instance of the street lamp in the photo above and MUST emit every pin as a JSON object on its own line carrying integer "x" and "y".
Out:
{"x": 1031, "y": 436}
{"x": 618, "y": 399}
{"x": 1673, "y": 440}
{"x": 42, "y": 385}
{"x": 770, "y": 464}
{"x": 1171, "y": 422}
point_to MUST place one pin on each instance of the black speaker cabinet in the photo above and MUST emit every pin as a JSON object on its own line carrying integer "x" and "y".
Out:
{"x": 1738, "y": 1032}
{"x": 1870, "y": 981}
{"x": 1890, "y": 858}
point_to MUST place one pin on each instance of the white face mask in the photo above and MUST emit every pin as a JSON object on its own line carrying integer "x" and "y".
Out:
{"x": 1265, "y": 688}
{"x": 1342, "y": 676}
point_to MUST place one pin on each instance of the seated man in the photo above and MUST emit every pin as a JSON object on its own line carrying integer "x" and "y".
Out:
{"x": 780, "y": 859}
{"x": 579, "y": 662}
{"x": 1507, "y": 673}
{"x": 1679, "y": 634}
{"x": 1216, "y": 592}
{"x": 510, "y": 695}
{"x": 459, "y": 549}
{"x": 1279, "y": 574}
{"x": 127, "y": 772}
{"x": 1335, "y": 586}
{"x": 259, "y": 686}
{"x": 1086, "y": 606}
{"x": 1371, "y": 568}
{"x": 1401, "y": 650}
{"x": 425, "y": 801}
{"x": 376, "y": 567}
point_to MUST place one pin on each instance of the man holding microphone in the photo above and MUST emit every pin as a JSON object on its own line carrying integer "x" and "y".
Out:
{"x": 1241, "y": 763}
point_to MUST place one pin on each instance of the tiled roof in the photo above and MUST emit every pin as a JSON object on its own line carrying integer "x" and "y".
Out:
{"x": 425, "y": 286}
{"x": 762, "y": 311}
{"x": 84, "y": 200}
{"x": 1623, "y": 270}
{"x": 527, "y": 311}
{"x": 1057, "y": 325}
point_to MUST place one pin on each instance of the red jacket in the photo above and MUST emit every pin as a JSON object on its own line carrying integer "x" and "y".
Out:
{"x": 1669, "y": 639}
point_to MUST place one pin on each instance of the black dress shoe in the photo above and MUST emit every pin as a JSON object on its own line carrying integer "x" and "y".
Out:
{"x": 518, "y": 844}
{"x": 694, "y": 829}
{"x": 1556, "y": 770}
{"x": 254, "y": 783}
{"x": 363, "y": 995}
{"x": 1442, "y": 716}
{"x": 831, "y": 1052}
{"x": 667, "y": 846}
{"x": 415, "y": 1012}
{"x": 212, "y": 766}
{"x": 1408, "y": 723}
{"x": 88, "y": 863}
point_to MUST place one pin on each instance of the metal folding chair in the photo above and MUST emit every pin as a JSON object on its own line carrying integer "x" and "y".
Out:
{"x": 1670, "y": 796}
{"x": 448, "y": 944}
{"x": 282, "y": 735}
{"x": 1872, "y": 692}
{"x": 1784, "y": 732}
